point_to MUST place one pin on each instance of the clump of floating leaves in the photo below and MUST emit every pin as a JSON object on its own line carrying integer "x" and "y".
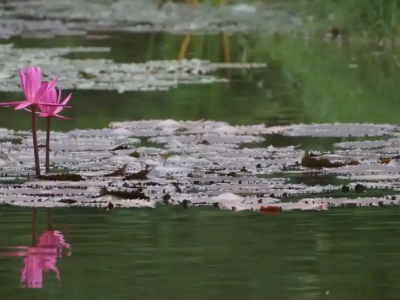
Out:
{"x": 42, "y": 99}
{"x": 205, "y": 163}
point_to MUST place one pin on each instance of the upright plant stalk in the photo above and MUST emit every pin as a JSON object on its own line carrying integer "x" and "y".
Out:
{"x": 48, "y": 145}
{"x": 49, "y": 226}
{"x": 34, "y": 137}
{"x": 34, "y": 227}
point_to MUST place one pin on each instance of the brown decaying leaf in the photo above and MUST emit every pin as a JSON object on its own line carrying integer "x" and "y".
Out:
{"x": 118, "y": 172}
{"x": 135, "y": 154}
{"x": 138, "y": 194}
{"x": 309, "y": 161}
{"x": 61, "y": 177}
{"x": 110, "y": 206}
{"x": 270, "y": 210}
{"x": 141, "y": 175}
{"x": 68, "y": 201}
{"x": 385, "y": 160}
{"x": 121, "y": 147}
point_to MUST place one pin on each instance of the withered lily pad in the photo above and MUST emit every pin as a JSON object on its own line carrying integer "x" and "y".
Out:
{"x": 179, "y": 169}
{"x": 61, "y": 177}
{"x": 124, "y": 194}
{"x": 141, "y": 175}
{"x": 118, "y": 172}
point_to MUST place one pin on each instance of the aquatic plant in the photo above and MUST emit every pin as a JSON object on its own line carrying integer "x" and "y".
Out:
{"x": 153, "y": 163}
{"x": 51, "y": 111}
{"x": 34, "y": 90}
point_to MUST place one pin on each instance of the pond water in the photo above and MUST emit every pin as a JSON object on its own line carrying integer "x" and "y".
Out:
{"x": 175, "y": 253}
{"x": 202, "y": 252}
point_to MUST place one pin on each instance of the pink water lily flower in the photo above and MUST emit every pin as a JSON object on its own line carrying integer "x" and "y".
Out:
{"x": 34, "y": 90}
{"x": 51, "y": 97}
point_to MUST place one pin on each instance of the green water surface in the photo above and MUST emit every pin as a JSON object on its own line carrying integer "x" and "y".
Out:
{"x": 210, "y": 254}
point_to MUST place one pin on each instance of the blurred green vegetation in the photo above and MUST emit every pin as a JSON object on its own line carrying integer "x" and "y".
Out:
{"x": 371, "y": 18}
{"x": 306, "y": 80}
{"x": 309, "y": 81}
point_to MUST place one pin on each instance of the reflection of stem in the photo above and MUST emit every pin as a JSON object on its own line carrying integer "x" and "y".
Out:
{"x": 184, "y": 46}
{"x": 34, "y": 227}
{"x": 34, "y": 137}
{"x": 226, "y": 46}
{"x": 161, "y": 4}
{"x": 49, "y": 227}
{"x": 48, "y": 145}
{"x": 227, "y": 53}
{"x": 193, "y": 2}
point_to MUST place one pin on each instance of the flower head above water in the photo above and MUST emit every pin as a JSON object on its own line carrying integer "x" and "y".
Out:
{"x": 34, "y": 90}
{"x": 51, "y": 97}
{"x": 42, "y": 96}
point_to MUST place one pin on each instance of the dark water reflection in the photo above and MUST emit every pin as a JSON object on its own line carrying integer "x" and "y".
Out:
{"x": 208, "y": 254}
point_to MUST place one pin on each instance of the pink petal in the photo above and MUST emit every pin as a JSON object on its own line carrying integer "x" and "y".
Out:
{"x": 59, "y": 96}
{"x": 28, "y": 110}
{"x": 55, "y": 104}
{"x": 40, "y": 93}
{"x": 22, "y": 77}
{"x": 29, "y": 84}
{"x": 13, "y": 253}
{"x": 37, "y": 78}
{"x": 50, "y": 96}
{"x": 23, "y": 82}
{"x": 66, "y": 99}
{"x": 23, "y": 105}
{"x": 53, "y": 82}
{"x": 60, "y": 108}
{"x": 44, "y": 115}
{"x": 62, "y": 117}
{"x": 7, "y": 104}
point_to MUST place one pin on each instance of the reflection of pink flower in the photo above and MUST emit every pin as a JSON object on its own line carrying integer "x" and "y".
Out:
{"x": 36, "y": 261}
{"x": 54, "y": 239}
{"x": 40, "y": 258}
